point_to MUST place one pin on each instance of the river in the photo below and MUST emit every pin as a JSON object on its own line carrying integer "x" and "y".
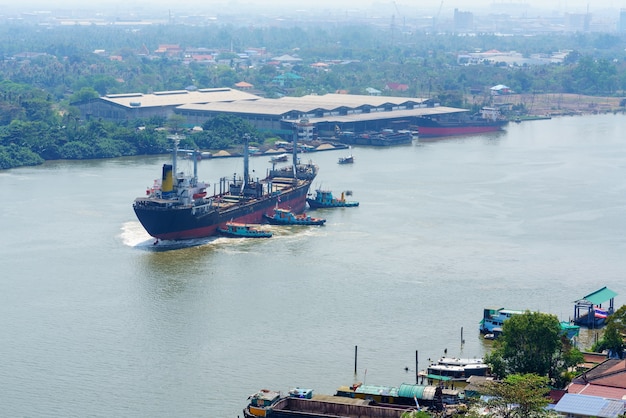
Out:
{"x": 98, "y": 322}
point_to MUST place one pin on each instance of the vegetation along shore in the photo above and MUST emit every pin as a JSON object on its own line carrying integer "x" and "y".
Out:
{"x": 44, "y": 77}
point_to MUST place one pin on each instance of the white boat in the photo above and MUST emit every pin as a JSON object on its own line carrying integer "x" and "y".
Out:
{"x": 457, "y": 369}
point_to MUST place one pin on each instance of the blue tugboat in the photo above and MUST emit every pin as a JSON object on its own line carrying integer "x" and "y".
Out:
{"x": 237, "y": 230}
{"x": 285, "y": 217}
{"x": 325, "y": 199}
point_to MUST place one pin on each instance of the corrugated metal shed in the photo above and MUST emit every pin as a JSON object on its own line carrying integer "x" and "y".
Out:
{"x": 377, "y": 390}
{"x": 178, "y": 97}
{"x": 590, "y": 406}
{"x": 307, "y": 104}
{"x": 417, "y": 391}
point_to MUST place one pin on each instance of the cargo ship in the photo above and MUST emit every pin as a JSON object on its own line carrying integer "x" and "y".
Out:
{"x": 179, "y": 207}
{"x": 489, "y": 120}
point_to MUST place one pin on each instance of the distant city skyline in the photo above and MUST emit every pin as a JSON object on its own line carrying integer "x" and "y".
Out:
{"x": 243, "y": 5}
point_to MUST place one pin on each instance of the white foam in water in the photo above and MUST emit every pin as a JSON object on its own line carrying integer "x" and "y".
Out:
{"x": 134, "y": 235}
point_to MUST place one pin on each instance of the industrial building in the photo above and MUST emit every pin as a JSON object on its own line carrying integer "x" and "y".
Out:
{"x": 325, "y": 113}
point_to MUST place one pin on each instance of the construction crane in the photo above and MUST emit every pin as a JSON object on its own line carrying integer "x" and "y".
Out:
{"x": 436, "y": 19}
{"x": 399, "y": 15}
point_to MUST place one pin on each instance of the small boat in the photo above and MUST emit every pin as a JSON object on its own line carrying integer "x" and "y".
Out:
{"x": 238, "y": 230}
{"x": 493, "y": 320}
{"x": 346, "y": 160}
{"x": 456, "y": 369}
{"x": 325, "y": 199}
{"x": 279, "y": 158}
{"x": 285, "y": 217}
{"x": 261, "y": 403}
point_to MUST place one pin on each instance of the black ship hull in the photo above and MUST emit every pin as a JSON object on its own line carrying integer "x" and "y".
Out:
{"x": 188, "y": 222}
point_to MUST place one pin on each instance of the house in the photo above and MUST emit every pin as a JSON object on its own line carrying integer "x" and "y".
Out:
{"x": 583, "y": 406}
{"x": 597, "y": 392}
{"x": 500, "y": 89}
{"x": 242, "y": 85}
{"x": 287, "y": 59}
{"x": 169, "y": 50}
{"x": 286, "y": 79}
{"x": 607, "y": 379}
{"x": 397, "y": 86}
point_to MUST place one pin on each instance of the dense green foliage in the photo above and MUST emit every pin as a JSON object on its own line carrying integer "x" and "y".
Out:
{"x": 44, "y": 71}
{"x": 518, "y": 396}
{"x": 533, "y": 343}
{"x": 612, "y": 339}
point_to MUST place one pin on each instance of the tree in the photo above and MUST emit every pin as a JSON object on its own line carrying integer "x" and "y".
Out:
{"x": 518, "y": 395}
{"x": 612, "y": 339}
{"x": 83, "y": 95}
{"x": 618, "y": 318}
{"x": 176, "y": 122}
{"x": 532, "y": 342}
{"x": 415, "y": 414}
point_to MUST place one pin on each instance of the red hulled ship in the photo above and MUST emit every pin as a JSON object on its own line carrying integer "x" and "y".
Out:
{"x": 489, "y": 120}
{"x": 178, "y": 206}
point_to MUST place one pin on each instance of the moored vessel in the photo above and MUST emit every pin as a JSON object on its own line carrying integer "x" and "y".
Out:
{"x": 303, "y": 403}
{"x": 455, "y": 369}
{"x": 325, "y": 199}
{"x": 178, "y": 206}
{"x": 286, "y": 217}
{"x": 349, "y": 159}
{"x": 494, "y": 318}
{"x": 237, "y": 230}
{"x": 489, "y": 120}
{"x": 384, "y": 138}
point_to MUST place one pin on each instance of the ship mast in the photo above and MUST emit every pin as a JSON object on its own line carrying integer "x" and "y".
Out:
{"x": 246, "y": 141}
{"x": 176, "y": 140}
{"x": 295, "y": 151}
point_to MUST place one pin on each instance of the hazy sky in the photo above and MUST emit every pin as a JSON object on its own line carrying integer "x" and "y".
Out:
{"x": 202, "y": 6}
{"x": 191, "y": 4}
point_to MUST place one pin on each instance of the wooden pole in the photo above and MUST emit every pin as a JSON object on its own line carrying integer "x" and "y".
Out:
{"x": 416, "y": 368}
{"x": 355, "y": 356}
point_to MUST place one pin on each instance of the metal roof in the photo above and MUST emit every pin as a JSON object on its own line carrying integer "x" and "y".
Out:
{"x": 358, "y": 117}
{"x": 178, "y": 97}
{"x": 591, "y": 406}
{"x": 234, "y": 101}
{"x": 310, "y": 104}
{"x": 600, "y": 296}
{"x": 277, "y": 108}
{"x": 418, "y": 391}
{"x": 377, "y": 390}
{"x": 351, "y": 100}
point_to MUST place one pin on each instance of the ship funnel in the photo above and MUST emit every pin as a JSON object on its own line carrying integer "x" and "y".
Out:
{"x": 167, "y": 180}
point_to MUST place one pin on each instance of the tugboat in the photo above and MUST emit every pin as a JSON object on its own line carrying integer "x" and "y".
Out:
{"x": 237, "y": 230}
{"x": 285, "y": 217}
{"x": 177, "y": 206}
{"x": 346, "y": 160}
{"x": 325, "y": 199}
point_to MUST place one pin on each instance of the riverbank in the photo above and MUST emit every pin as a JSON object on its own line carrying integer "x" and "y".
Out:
{"x": 561, "y": 104}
